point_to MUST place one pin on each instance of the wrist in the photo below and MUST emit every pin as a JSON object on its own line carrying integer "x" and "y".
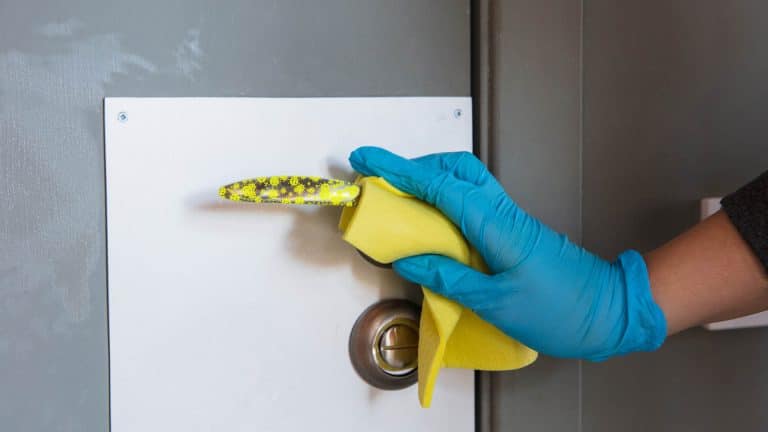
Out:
{"x": 638, "y": 323}
{"x": 646, "y": 327}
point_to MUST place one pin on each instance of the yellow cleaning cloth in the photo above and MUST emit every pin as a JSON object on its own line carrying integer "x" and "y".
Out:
{"x": 388, "y": 225}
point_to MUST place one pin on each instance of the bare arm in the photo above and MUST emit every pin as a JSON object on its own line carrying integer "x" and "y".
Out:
{"x": 708, "y": 273}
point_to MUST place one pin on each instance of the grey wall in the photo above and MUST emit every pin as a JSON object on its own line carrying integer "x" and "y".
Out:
{"x": 674, "y": 110}
{"x": 58, "y": 60}
{"x": 672, "y": 101}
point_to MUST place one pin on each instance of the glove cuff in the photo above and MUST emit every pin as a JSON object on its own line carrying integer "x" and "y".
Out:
{"x": 646, "y": 327}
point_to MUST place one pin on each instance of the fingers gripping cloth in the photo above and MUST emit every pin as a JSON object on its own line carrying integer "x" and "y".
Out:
{"x": 388, "y": 225}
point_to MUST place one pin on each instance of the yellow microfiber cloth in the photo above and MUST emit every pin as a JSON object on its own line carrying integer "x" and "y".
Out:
{"x": 387, "y": 224}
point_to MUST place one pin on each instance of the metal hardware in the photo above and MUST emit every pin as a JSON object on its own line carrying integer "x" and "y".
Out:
{"x": 293, "y": 189}
{"x": 383, "y": 344}
{"x": 398, "y": 348}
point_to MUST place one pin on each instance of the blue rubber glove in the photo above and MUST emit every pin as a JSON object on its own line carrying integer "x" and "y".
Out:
{"x": 543, "y": 290}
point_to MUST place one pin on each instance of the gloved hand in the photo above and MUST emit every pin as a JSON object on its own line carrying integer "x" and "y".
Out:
{"x": 543, "y": 290}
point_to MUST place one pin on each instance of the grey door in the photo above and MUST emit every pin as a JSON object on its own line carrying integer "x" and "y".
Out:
{"x": 58, "y": 60}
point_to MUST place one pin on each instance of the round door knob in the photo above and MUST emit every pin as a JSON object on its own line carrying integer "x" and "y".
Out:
{"x": 383, "y": 344}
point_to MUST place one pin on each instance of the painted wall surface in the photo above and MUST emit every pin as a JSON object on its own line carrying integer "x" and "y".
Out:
{"x": 58, "y": 60}
{"x": 671, "y": 98}
{"x": 674, "y": 110}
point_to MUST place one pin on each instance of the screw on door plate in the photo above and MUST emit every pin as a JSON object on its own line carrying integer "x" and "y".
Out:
{"x": 122, "y": 117}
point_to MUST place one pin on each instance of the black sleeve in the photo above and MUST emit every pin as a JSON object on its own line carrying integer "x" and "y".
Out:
{"x": 748, "y": 210}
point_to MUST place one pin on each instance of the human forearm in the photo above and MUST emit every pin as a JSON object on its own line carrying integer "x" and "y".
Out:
{"x": 708, "y": 273}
